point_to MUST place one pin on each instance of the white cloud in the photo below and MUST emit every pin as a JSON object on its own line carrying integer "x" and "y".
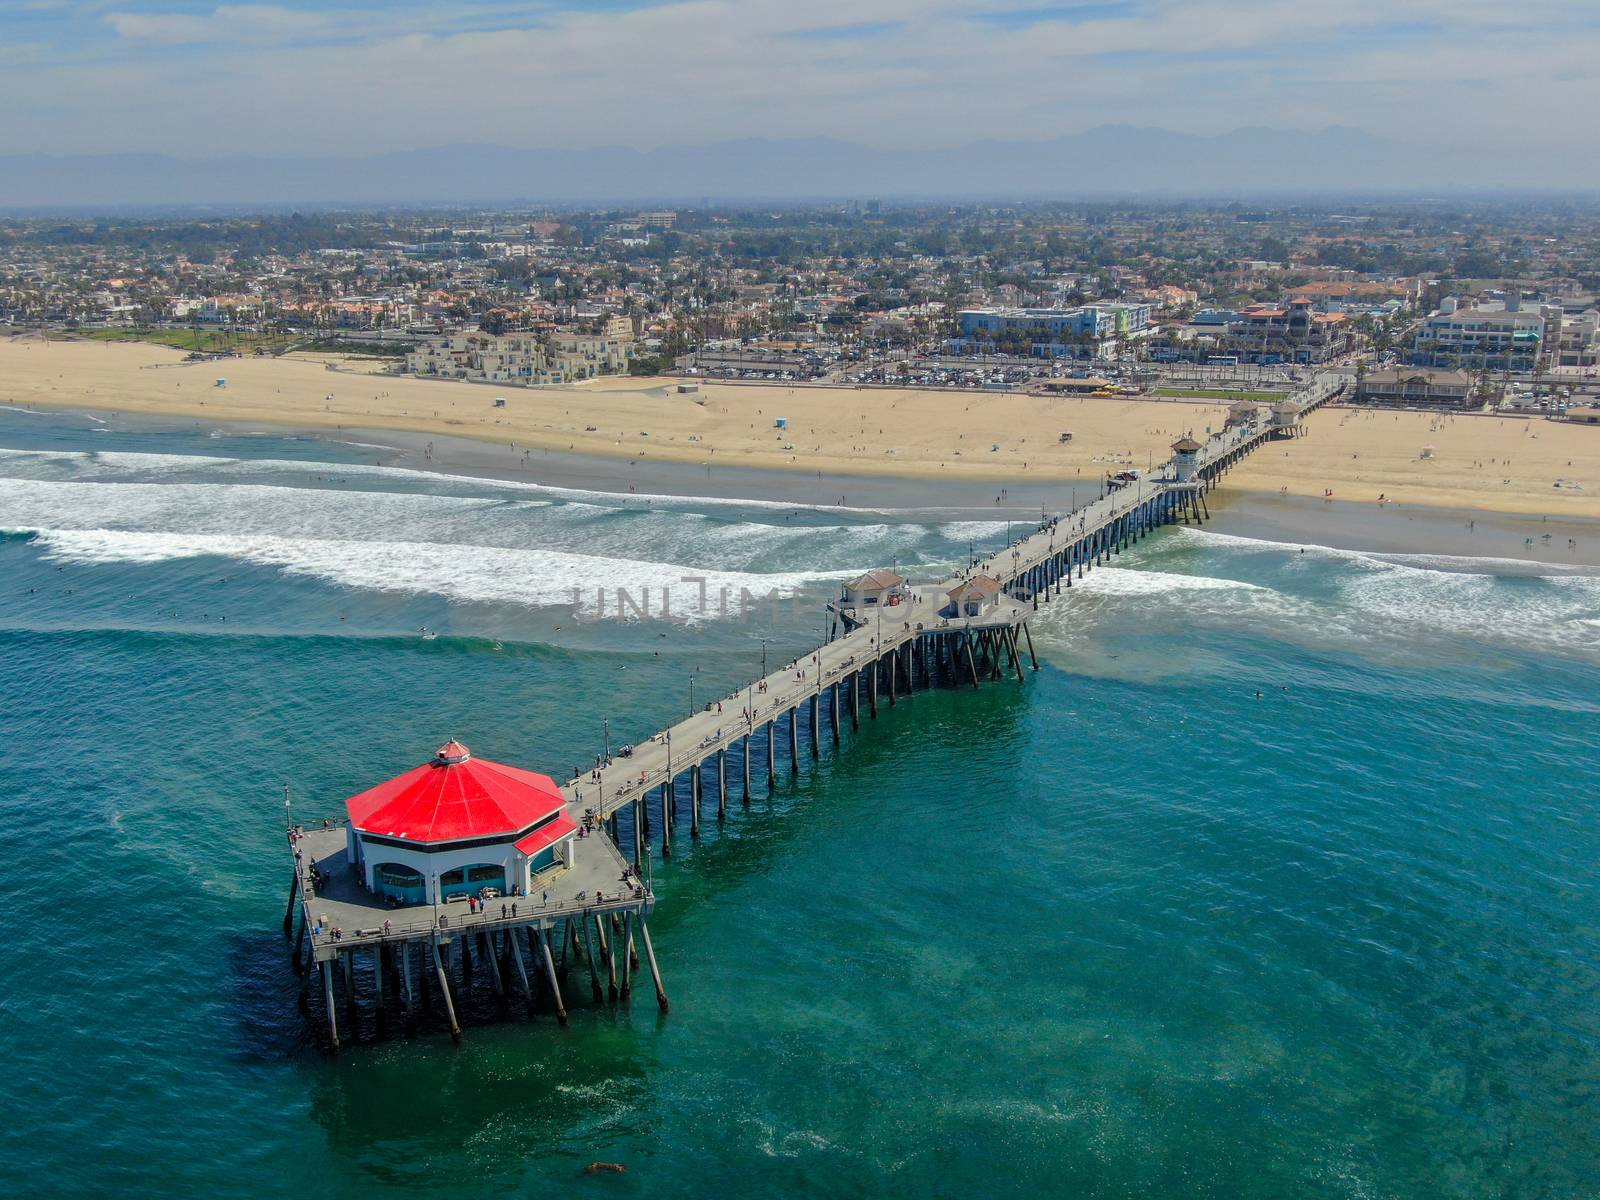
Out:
{"x": 281, "y": 79}
{"x": 230, "y": 23}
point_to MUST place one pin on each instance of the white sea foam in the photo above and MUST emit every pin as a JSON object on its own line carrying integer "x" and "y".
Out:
{"x": 487, "y": 574}
{"x": 111, "y": 464}
{"x": 1454, "y": 564}
{"x": 1120, "y": 581}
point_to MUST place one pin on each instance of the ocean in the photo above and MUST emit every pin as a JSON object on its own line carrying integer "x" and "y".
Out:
{"x": 1279, "y": 878}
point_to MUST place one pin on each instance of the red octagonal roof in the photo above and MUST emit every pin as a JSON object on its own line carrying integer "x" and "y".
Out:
{"x": 455, "y": 796}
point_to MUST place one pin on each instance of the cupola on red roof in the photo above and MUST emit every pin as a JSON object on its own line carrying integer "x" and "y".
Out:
{"x": 453, "y": 797}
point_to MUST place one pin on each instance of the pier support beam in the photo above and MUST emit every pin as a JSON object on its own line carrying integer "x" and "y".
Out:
{"x": 833, "y": 712}
{"x": 746, "y": 756}
{"x": 522, "y": 970}
{"x": 696, "y": 785}
{"x": 722, "y": 784}
{"x": 624, "y": 946}
{"x": 405, "y": 986}
{"x": 444, "y": 990}
{"x": 655, "y": 971}
{"x": 772, "y": 755}
{"x": 333, "y": 1010}
{"x": 486, "y": 952}
{"x": 288, "y": 913}
{"x": 794, "y": 739}
{"x": 550, "y": 974}
{"x": 606, "y": 952}
{"x": 588, "y": 954}
{"x": 816, "y": 723}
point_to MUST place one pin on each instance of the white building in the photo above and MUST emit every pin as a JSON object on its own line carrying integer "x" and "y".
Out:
{"x": 457, "y": 826}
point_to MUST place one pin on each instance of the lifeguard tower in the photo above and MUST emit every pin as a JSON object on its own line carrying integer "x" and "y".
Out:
{"x": 1186, "y": 458}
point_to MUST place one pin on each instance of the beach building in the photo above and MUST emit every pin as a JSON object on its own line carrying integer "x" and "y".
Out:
{"x": 1418, "y": 387}
{"x": 878, "y": 587}
{"x": 972, "y": 597}
{"x": 455, "y": 826}
{"x": 1243, "y": 412}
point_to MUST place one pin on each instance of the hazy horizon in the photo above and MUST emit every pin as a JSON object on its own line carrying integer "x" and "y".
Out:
{"x": 201, "y": 79}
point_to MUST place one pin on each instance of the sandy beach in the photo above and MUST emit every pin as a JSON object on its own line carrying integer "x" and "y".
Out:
{"x": 1486, "y": 462}
{"x": 1497, "y": 464}
{"x": 833, "y": 430}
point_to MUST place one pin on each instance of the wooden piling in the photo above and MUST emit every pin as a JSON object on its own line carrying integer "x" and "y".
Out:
{"x": 655, "y": 971}
{"x": 722, "y": 784}
{"x": 333, "y": 1011}
{"x": 444, "y": 990}
{"x": 486, "y": 951}
{"x": 550, "y": 974}
{"x": 522, "y": 969}
{"x": 626, "y": 950}
{"x": 288, "y": 912}
{"x": 610, "y": 958}
{"x": 588, "y": 953}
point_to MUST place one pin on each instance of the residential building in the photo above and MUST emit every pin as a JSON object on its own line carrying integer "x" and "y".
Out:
{"x": 519, "y": 358}
{"x": 1580, "y": 340}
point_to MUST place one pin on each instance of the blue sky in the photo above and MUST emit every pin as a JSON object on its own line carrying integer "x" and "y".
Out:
{"x": 199, "y": 78}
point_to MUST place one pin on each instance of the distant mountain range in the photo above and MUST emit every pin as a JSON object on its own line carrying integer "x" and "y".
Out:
{"x": 1110, "y": 160}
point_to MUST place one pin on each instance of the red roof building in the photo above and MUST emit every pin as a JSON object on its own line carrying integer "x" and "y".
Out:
{"x": 458, "y": 825}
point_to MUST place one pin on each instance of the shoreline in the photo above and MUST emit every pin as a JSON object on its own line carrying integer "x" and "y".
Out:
{"x": 1541, "y": 470}
{"x": 1418, "y": 530}
{"x": 840, "y": 431}
{"x": 1355, "y": 525}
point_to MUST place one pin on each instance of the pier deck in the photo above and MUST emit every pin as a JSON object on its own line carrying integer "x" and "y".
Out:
{"x": 592, "y": 883}
{"x": 598, "y": 909}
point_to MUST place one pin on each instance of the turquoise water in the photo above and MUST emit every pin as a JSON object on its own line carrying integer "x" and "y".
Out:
{"x": 1127, "y": 930}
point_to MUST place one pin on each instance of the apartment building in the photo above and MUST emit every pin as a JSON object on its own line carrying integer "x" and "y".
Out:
{"x": 1087, "y": 331}
{"x": 1503, "y": 337}
{"x": 516, "y": 358}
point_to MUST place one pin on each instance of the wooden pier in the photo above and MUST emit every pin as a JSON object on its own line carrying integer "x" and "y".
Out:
{"x": 367, "y": 965}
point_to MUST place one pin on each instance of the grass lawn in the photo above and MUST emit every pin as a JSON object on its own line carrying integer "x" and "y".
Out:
{"x": 204, "y": 341}
{"x": 1219, "y": 394}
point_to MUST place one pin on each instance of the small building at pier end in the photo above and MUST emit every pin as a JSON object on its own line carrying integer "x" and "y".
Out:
{"x": 972, "y": 597}
{"x": 458, "y": 826}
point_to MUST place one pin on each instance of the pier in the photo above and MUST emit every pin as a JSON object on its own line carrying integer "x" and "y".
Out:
{"x": 369, "y": 965}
